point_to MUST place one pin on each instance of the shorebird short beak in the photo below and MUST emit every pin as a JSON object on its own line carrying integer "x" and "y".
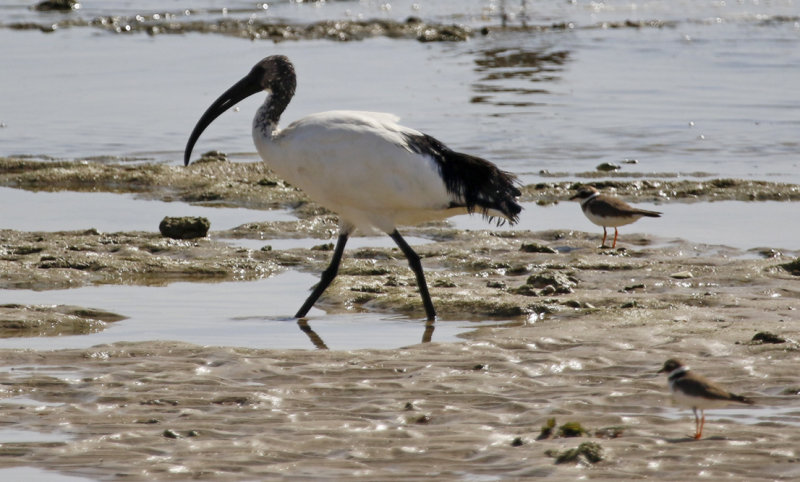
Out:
{"x": 246, "y": 87}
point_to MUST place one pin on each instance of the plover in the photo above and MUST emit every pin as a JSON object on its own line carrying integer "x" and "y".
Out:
{"x": 608, "y": 211}
{"x": 696, "y": 392}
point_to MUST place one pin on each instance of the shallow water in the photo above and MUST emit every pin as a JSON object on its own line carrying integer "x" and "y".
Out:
{"x": 27, "y": 401}
{"x": 35, "y": 475}
{"x": 256, "y": 314}
{"x": 739, "y": 225}
{"x": 788, "y": 416}
{"x": 711, "y": 93}
{"x": 27, "y": 436}
{"x": 68, "y": 211}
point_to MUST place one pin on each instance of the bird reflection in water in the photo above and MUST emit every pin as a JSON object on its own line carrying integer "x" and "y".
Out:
{"x": 319, "y": 343}
{"x": 312, "y": 335}
{"x": 514, "y": 71}
{"x": 508, "y": 14}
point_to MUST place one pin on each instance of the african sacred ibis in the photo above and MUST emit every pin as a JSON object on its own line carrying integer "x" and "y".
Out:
{"x": 364, "y": 166}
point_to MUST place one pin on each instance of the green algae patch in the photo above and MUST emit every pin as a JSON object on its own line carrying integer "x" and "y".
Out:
{"x": 567, "y": 430}
{"x": 547, "y": 429}
{"x": 571, "y": 429}
{"x": 765, "y": 337}
{"x": 586, "y": 453}
{"x": 793, "y": 267}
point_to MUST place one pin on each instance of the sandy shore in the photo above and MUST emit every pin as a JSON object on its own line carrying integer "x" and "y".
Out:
{"x": 586, "y": 349}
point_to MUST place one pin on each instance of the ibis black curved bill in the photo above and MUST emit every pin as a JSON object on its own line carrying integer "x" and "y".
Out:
{"x": 246, "y": 87}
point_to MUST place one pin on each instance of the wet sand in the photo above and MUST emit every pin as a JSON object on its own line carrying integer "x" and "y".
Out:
{"x": 581, "y": 346}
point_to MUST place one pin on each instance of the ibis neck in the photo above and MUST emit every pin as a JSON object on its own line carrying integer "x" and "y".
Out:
{"x": 269, "y": 114}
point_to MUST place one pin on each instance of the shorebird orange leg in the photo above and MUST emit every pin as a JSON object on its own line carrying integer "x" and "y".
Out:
{"x": 698, "y": 423}
{"x": 603, "y": 244}
{"x": 702, "y": 423}
{"x": 615, "y": 238}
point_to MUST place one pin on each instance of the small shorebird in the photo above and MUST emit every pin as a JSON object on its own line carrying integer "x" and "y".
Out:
{"x": 696, "y": 392}
{"x": 364, "y": 166}
{"x": 608, "y": 211}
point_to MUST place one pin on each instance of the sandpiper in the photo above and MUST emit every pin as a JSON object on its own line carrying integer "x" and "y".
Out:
{"x": 608, "y": 211}
{"x": 696, "y": 392}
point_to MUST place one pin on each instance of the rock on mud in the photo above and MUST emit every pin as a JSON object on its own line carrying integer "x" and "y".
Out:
{"x": 186, "y": 227}
{"x": 560, "y": 282}
{"x": 57, "y": 5}
{"x": 608, "y": 167}
{"x": 793, "y": 267}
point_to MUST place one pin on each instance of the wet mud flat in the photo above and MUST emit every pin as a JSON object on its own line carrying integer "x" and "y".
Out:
{"x": 225, "y": 22}
{"x": 241, "y": 23}
{"x": 583, "y": 332}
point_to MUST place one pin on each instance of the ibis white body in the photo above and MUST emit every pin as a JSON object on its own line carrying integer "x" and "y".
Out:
{"x": 359, "y": 165}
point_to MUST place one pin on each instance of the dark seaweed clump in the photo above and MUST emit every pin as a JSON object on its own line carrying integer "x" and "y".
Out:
{"x": 57, "y": 6}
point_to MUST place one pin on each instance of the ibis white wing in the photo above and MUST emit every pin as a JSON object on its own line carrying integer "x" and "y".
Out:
{"x": 359, "y": 165}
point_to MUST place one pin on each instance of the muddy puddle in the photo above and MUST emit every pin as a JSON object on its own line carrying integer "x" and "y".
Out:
{"x": 255, "y": 314}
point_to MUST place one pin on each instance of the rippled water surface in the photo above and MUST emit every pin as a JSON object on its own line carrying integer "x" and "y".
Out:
{"x": 709, "y": 88}
{"x": 686, "y": 88}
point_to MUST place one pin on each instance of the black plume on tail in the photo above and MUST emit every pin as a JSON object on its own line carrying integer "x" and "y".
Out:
{"x": 652, "y": 214}
{"x": 475, "y": 183}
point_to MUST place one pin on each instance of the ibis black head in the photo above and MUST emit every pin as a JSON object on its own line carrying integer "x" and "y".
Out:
{"x": 274, "y": 74}
{"x": 670, "y": 365}
{"x": 584, "y": 192}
